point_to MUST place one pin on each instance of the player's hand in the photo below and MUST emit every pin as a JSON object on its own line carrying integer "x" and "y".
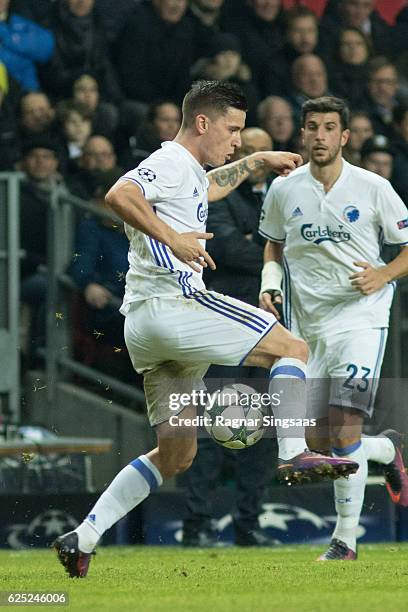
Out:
{"x": 281, "y": 162}
{"x": 188, "y": 249}
{"x": 370, "y": 279}
{"x": 96, "y": 295}
{"x": 269, "y": 302}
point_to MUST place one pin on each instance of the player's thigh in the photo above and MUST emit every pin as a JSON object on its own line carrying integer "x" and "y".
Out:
{"x": 278, "y": 342}
{"x": 172, "y": 388}
{"x": 355, "y": 365}
{"x": 205, "y": 327}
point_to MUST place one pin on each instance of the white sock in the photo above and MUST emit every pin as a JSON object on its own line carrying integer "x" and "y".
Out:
{"x": 378, "y": 448}
{"x": 128, "y": 489}
{"x": 349, "y": 495}
{"x": 292, "y": 395}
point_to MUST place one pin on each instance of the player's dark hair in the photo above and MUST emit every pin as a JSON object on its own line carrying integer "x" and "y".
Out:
{"x": 327, "y": 104}
{"x": 211, "y": 97}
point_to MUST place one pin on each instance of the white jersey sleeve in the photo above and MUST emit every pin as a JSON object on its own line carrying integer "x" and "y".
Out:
{"x": 159, "y": 178}
{"x": 392, "y": 215}
{"x": 271, "y": 225}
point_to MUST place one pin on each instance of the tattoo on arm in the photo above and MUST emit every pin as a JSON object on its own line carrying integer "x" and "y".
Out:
{"x": 229, "y": 176}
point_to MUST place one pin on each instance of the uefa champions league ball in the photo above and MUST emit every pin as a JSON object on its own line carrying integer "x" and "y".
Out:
{"x": 234, "y": 421}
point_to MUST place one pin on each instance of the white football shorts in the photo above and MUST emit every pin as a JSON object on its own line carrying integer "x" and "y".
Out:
{"x": 174, "y": 340}
{"x": 344, "y": 370}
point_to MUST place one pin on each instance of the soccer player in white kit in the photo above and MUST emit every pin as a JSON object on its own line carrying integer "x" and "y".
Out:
{"x": 174, "y": 327}
{"x": 325, "y": 224}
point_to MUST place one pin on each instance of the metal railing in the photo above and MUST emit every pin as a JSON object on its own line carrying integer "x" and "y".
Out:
{"x": 9, "y": 297}
{"x": 59, "y": 351}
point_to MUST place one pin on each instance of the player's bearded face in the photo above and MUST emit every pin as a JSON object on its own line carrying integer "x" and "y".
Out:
{"x": 324, "y": 137}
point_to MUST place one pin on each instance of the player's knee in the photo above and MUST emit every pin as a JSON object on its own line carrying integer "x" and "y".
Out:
{"x": 297, "y": 349}
{"x": 177, "y": 463}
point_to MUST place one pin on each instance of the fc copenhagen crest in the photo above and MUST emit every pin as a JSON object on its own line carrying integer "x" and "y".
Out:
{"x": 351, "y": 213}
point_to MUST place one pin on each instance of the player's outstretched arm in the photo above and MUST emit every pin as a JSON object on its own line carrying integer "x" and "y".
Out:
{"x": 227, "y": 178}
{"x": 271, "y": 291}
{"x": 370, "y": 279}
{"x": 128, "y": 202}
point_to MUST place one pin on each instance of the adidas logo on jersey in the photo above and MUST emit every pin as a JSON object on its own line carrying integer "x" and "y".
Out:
{"x": 297, "y": 212}
{"x": 195, "y": 193}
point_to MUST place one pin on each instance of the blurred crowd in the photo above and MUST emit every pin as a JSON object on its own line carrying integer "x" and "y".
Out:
{"x": 89, "y": 88}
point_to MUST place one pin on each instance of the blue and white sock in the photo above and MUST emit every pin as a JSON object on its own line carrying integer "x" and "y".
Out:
{"x": 292, "y": 404}
{"x": 349, "y": 495}
{"x": 378, "y": 448}
{"x": 127, "y": 490}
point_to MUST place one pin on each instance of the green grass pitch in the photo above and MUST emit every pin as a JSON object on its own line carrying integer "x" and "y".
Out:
{"x": 166, "y": 579}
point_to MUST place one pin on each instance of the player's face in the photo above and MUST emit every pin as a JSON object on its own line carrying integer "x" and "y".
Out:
{"x": 223, "y": 136}
{"x": 324, "y": 137}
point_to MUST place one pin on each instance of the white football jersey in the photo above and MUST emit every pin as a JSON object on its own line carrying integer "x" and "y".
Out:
{"x": 324, "y": 234}
{"x": 176, "y": 186}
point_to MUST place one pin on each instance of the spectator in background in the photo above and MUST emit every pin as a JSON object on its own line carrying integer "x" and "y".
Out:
{"x": 309, "y": 80}
{"x": 23, "y": 45}
{"x": 207, "y": 12}
{"x": 302, "y": 37}
{"x": 361, "y": 129}
{"x": 400, "y": 145}
{"x": 377, "y": 155}
{"x": 9, "y": 143}
{"x": 155, "y": 51}
{"x": 99, "y": 268}
{"x": 37, "y": 115}
{"x": 348, "y": 75}
{"x": 234, "y": 222}
{"x": 98, "y": 156}
{"x": 360, "y": 14}
{"x": 207, "y": 17}
{"x": 162, "y": 123}
{"x": 80, "y": 49}
{"x": 105, "y": 116}
{"x": 381, "y": 99}
{"x": 40, "y": 166}
{"x": 260, "y": 27}
{"x": 38, "y": 118}
{"x": 275, "y": 116}
{"x": 76, "y": 127}
{"x": 224, "y": 63}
